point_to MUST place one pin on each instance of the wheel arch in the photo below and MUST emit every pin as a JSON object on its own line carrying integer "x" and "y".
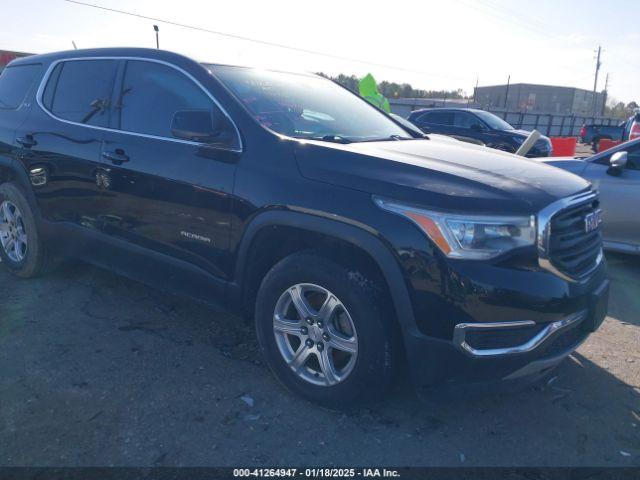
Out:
{"x": 359, "y": 238}
{"x": 12, "y": 171}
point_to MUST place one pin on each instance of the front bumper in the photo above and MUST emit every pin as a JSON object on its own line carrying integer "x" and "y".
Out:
{"x": 516, "y": 351}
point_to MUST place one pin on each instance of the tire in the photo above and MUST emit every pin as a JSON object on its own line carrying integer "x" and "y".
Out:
{"x": 365, "y": 377}
{"x": 33, "y": 259}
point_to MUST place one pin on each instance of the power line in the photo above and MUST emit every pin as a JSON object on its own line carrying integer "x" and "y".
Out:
{"x": 263, "y": 42}
{"x": 506, "y": 17}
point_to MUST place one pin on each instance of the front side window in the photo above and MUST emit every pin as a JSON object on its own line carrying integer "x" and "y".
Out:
{"x": 15, "y": 83}
{"x": 494, "y": 121}
{"x": 80, "y": 91}
{"x": 306, "y": 106}
{"x": 159, "y": 100}
{"x": 465, "y": 120}
{"x": 633, "y": 157}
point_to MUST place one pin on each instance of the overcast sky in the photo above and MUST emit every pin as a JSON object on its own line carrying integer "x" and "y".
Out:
{"x": 445, "y": 44}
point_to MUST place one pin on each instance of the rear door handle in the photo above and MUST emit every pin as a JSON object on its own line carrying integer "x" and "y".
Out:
{"x": 27, "y": 141}
{"x": 117, "y": 156}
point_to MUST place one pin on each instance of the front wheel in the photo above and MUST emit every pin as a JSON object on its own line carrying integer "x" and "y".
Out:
{"x": 326, "y": 331}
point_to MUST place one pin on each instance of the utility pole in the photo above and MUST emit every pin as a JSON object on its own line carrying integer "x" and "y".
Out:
{"x": 156, "y": 29}
{"x": 506, "y": 94}
{"x": 595, "y": 82}
{"x": 475, "y": 89}
{"x": 606, "y": 93}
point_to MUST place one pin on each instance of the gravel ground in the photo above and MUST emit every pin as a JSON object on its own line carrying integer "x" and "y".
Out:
{"x": 99, "y": 370}
{"x": 583, "y": 150}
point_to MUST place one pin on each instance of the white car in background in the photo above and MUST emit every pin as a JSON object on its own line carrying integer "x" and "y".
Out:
{"x": 616, "y": 174}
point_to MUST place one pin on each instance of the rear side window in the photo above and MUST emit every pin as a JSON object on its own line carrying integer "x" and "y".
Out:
{"x": 80, "y": 91}
{"x": 153, "y": 93}
{"x": 437, "y": 118}
{"x": 15, "y": 83}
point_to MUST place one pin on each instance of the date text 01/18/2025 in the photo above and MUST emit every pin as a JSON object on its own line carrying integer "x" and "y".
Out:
{"x": 317, "y": 472}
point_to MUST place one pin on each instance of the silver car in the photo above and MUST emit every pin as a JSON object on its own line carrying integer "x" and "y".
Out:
{"x": 616, "y": 174}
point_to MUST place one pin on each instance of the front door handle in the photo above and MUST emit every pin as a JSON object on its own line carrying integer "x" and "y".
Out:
{"x": 27, "y": 141}
{"x": 117, "y": 156}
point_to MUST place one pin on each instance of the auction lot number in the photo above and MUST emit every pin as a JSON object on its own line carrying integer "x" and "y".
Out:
{"x": 316, "y": 472}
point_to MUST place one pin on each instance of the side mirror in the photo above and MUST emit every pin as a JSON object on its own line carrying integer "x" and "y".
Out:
{"x": 194, "y": 125}
{"x": 476, "y": 127}
{"x": 618, "y": 162}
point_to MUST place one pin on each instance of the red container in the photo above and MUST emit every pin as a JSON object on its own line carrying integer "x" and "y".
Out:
{"x": 606, "y": 144}
{"x": 564, "y": 146}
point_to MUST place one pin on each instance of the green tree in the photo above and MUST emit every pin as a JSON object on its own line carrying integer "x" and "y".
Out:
{"x": 396, "y": 90}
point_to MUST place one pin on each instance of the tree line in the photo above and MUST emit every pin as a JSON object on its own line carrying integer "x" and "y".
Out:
{"x": 395, "y": 90}
{"x": 619, "y": 110}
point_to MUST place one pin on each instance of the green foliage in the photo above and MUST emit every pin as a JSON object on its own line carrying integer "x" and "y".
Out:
{"x": 619, "y": 110}
{"x": 395, "y": 90}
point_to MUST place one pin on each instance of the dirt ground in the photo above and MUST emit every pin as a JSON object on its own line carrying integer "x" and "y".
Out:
{"x": 584, "y": 150}
{"x": 99, "y": 370}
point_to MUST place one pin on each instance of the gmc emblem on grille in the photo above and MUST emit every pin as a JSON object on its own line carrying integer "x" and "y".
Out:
{"x": 592, "y": 221}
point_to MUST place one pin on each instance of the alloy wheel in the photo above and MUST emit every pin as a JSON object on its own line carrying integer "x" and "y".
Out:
{"x": 13, "y": 236}
{"x": 315, "y": 334}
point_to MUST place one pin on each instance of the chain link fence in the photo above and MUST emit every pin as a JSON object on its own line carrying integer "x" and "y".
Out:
{"x": 550, "y": 124}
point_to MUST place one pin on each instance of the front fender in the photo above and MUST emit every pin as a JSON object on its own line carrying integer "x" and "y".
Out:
{"x": 357, "y": 234}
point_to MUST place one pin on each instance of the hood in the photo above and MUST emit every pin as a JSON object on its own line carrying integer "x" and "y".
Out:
{"x": 439, "y": 174}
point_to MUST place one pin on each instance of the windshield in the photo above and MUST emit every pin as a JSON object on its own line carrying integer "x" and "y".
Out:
{"x": 305, "y": 106}
{"x": 494, "y": 122}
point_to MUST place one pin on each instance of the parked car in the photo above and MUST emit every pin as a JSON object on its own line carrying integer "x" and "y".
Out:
{"x": 477, "y": 125}
{"x": 615, "y": 173}
{"x": 632, "y": 127}
{"x": 357, "y": 245}
{"x": 592, "y": 134}
{"x": 627, "y": 130}
{"x": 415, "y": 130}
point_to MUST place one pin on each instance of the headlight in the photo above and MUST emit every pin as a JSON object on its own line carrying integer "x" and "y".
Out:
{"x": 472, "y": 237}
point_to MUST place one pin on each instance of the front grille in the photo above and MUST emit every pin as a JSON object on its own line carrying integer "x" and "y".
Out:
{"x": 572, "y": 249}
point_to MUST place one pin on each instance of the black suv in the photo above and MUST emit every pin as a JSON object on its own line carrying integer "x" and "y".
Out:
{"x": 355, "y": 243}
{"x": 468, "y": 124}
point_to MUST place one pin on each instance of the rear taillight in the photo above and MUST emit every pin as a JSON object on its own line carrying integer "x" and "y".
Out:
{"x": 635, "y": 131}
{"x": 583, "y": 132}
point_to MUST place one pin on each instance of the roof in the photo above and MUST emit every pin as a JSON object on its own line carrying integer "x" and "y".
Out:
{"x": 102, "y": 52}
{"x": 448, "y": 109}
{"x": 151, "y": 53}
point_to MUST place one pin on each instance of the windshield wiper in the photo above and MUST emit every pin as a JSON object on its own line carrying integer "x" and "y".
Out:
{"x": 332, "y": 138}
{"x": 386, "y": 139}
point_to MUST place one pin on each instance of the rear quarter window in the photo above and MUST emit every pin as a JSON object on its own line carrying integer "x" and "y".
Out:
{"x": 15, "y": 82}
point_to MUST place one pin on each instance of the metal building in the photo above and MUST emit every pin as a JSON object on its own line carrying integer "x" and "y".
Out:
{"x": 527, "y": 97}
